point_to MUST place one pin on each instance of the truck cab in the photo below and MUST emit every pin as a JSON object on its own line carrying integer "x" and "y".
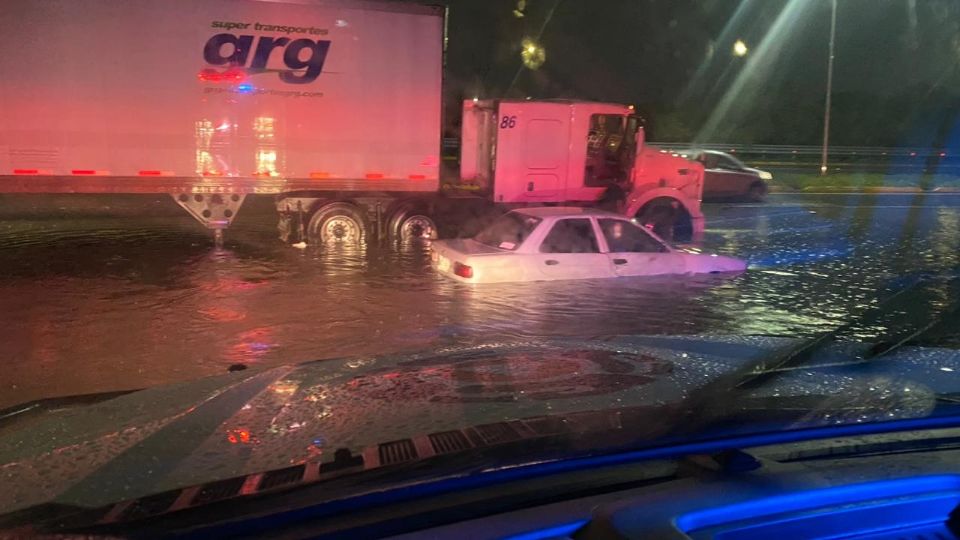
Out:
{"x": 525, "y": 152}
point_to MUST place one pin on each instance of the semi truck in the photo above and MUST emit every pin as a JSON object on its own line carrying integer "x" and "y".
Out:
{"x": 332, "y": 107}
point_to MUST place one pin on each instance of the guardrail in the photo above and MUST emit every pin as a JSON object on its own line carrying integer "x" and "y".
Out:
{"x": 789, "y": 150}
{"x": 452, "y": 143}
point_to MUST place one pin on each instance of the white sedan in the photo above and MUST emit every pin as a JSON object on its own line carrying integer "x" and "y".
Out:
{"x": 552, "y": 243}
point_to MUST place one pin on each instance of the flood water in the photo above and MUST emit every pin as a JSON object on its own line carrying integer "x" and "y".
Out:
{"x": 137, "y": 295}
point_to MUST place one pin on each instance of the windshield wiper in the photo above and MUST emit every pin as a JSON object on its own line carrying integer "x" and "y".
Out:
{"x": 721, "y": 396}
{"x": 36, "y": 406}
{"x": 948, "y": 317}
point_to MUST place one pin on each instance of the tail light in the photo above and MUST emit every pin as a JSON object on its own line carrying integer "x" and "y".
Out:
{"x": 463, "y": 270}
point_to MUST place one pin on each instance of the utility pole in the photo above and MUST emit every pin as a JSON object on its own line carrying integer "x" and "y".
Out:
{"x": 826, "y": 109}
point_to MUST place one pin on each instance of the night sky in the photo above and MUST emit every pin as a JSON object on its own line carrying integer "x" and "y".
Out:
{"x": 896, "y": 76}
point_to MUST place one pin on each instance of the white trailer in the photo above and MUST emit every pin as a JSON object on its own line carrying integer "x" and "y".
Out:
{"x": 333, "y": 106}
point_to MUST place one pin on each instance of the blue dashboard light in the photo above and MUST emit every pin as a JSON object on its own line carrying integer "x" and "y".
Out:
{"x": 856, "y": 505}
{"x": 565, "y": 529}
{"x": 245, "y": 88}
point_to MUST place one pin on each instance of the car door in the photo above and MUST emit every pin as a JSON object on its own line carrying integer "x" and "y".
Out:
{"x": 729, "y": 177}
{"x": 633, "y": 251}
{"x": 570, "y": 250}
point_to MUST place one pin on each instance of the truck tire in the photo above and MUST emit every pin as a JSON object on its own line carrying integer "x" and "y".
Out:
{"x": 412, "y": 223}
{"x": 668, "y": 219}
{"x": 337, "y": 223}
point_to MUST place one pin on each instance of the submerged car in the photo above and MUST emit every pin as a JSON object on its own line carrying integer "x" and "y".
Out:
{"x": 553, "y": 243}
{"x": 727, "y": 177}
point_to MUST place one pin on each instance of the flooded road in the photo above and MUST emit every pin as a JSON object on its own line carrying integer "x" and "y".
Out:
{"x": 129, "y": 300}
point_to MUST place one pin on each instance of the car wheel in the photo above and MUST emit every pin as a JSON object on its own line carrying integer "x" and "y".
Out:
{"x": 337, "y": 223}
{"x": 757, "y": 191}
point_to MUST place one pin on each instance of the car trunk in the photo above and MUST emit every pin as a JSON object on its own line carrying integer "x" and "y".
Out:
{"x": 470, "y": 261}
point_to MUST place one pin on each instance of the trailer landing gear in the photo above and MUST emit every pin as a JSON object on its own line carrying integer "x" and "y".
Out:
{"x": 214, "y": 211}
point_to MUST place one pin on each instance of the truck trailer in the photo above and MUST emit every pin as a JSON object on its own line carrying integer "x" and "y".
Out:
{"x": 333, "y": 107}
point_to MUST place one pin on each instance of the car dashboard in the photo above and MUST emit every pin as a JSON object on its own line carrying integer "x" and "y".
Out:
{"x": 904, "y": 486}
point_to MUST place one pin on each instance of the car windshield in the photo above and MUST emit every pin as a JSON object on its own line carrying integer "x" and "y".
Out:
{"x": 240, "y": 237}
{"x": 509, "y": 231}
{"x": 731, "y": 162}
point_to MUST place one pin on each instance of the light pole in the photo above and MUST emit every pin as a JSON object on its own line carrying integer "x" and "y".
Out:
{"x": 826, "y": 108}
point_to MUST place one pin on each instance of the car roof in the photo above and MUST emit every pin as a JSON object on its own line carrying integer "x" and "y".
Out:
{"x": 565, "y": 211}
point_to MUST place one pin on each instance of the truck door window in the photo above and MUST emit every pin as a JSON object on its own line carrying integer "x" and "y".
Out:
{"x": 570, "y": 236}
{"x": 610, "y": 145}
{"x": 625, "y": 237}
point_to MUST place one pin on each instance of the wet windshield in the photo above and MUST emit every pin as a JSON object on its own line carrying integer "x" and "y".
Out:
{"x": 731, "y": 162}
{"x": 251, "y": 246}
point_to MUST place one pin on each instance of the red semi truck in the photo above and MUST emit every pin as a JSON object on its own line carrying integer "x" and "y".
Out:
{"x": 333, "y": 107}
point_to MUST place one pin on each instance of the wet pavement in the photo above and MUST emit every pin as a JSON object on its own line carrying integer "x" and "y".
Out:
{"x": 138, "y": 296}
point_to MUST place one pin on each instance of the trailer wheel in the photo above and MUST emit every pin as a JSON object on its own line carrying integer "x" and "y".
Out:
{"x": 668, "y": 219}
{"x": 337, "y": 223}
{"x": 411, "y": 224}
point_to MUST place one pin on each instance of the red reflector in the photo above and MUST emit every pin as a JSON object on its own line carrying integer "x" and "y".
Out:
{"x": 374, "y": 176}
{"x": 212, "y": 75}
{"x": 319, "y": 174}
{"x": 83, "y": 171}
{"x": 212, "y": 173}
{"x": 26, "y": 171}
{"x": 150, "y": 173}
{"x": 418, "y": 177}
{"x": 463, "y": 270}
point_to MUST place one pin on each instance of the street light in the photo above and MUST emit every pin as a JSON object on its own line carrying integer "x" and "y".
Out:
{"x": 826, "y": 108}
{"x": 532, "y": 53}
{"x": 740, "y": 48}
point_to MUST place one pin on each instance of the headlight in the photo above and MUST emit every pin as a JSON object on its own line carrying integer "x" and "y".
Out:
{"x": 765, "y": 175}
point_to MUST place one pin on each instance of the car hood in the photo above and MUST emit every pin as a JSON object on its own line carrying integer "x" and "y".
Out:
{"x": 711, "y": 262}
{"x": 221, "y": 427}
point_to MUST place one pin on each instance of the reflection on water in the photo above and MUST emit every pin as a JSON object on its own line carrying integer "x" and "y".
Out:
{"x": 98, "y": 304}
